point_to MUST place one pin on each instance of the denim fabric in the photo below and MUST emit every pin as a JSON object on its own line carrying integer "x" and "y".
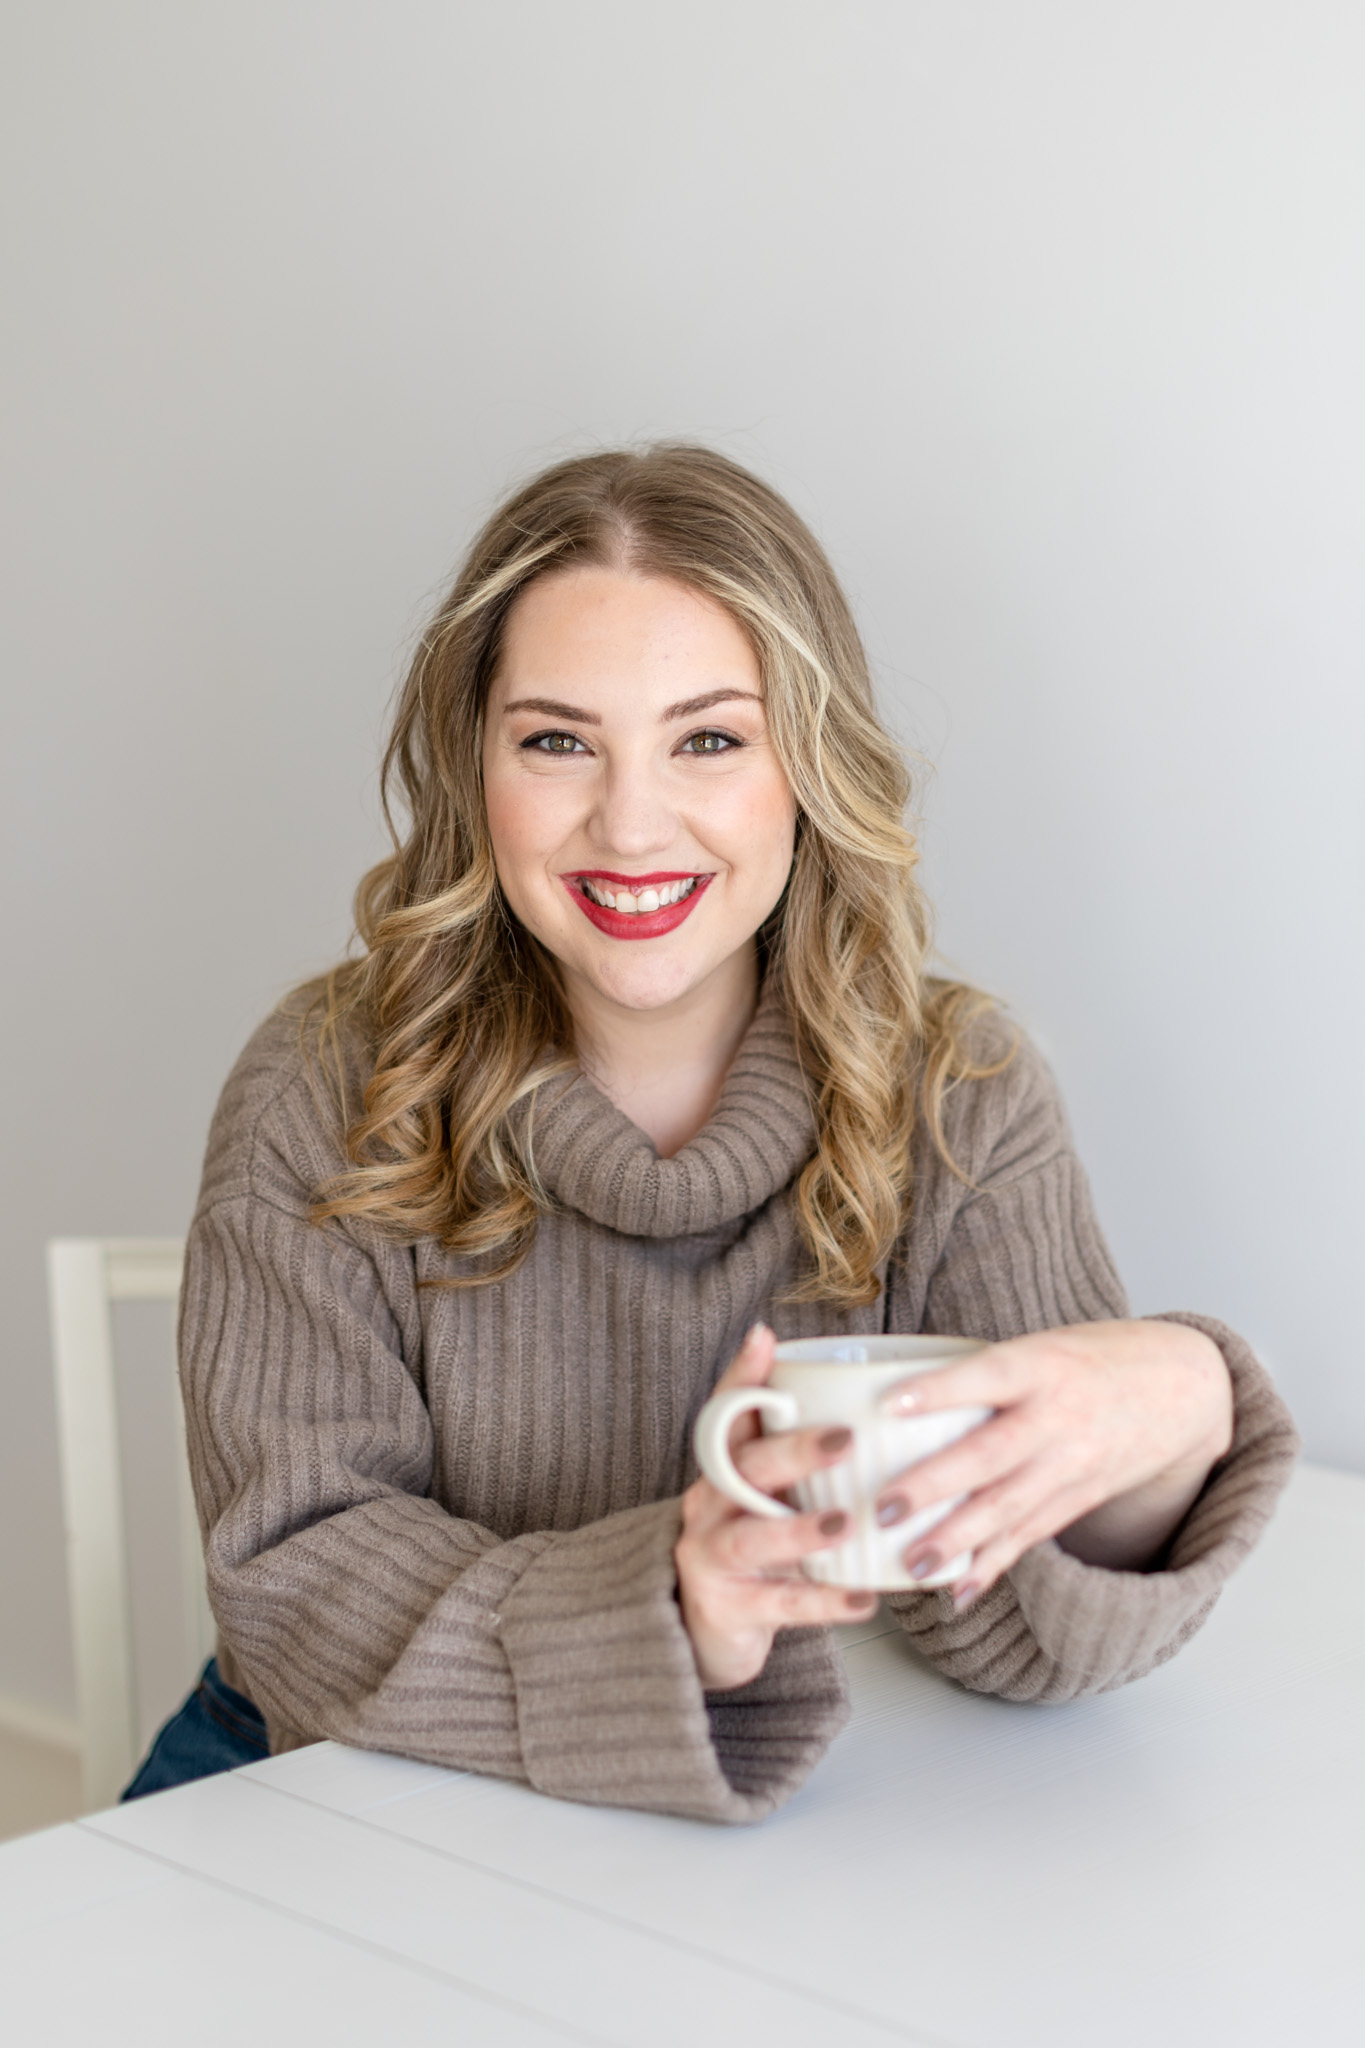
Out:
{"x": 216, "y": 1730}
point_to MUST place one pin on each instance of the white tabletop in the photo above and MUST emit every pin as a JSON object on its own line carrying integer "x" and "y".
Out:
{"x": 1179, "y": 1863}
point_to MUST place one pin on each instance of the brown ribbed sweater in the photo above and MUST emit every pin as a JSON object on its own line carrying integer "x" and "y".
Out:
{"x": 442, "y": 1522}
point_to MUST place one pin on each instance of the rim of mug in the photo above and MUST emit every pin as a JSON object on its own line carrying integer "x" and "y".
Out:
{"x": 914, "y": 1354}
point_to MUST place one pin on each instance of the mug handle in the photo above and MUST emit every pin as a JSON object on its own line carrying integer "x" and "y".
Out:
{"x": 712, "y": 1440}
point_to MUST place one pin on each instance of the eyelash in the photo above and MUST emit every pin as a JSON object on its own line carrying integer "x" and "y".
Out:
{"x": 535, "y": 743}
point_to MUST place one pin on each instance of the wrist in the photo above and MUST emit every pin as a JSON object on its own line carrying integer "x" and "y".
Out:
{"x": 1215, "y": 1409}
{"x": 725, "y": 1658}
{"x": 725, "y": 1661}
{"x": 1131, "y": 1531}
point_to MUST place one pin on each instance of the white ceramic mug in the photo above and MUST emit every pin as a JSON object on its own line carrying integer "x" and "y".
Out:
{"x": 839, "y": 1381}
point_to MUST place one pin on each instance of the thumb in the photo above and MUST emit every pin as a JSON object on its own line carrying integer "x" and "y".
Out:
{"x": 753, "y": 1362}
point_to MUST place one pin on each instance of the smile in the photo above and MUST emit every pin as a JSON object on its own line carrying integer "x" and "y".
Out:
{"x": 637, "y": 902}
{"x": 635, "y": 906}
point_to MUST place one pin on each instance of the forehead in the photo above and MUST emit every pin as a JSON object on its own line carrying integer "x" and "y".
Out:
{"x": 603, "y": 629}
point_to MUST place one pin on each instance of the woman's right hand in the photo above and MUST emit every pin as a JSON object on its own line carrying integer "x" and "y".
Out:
{"x": 739, "y": 1575}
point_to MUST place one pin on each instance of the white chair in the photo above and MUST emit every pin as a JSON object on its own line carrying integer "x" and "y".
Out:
{"x": 86, "y": 1275}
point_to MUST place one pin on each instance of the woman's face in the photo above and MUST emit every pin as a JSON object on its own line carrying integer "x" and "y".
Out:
{"x": 641, "y": 823}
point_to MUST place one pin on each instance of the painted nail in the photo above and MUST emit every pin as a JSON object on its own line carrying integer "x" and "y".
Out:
{"x": 831, "y": 1525}
{"x": 836, "y": 1440}
{"x": 860, "y": 1603}
{"x": 925, "y": 1565}
{"x": 964, "y": 1595}
{"x": 892, "y": 1511}
{"x": 901, "y": 1401}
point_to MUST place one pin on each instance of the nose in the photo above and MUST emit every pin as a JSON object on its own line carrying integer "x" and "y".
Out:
{"x": 633, "y": 815}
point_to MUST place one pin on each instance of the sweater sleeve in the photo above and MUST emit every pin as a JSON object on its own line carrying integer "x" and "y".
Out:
{"x": 351, "y": 1605}
{"x": 1024, "y": 1252}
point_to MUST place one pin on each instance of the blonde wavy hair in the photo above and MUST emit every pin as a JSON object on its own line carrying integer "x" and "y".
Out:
{"x": 463, "y": 1012}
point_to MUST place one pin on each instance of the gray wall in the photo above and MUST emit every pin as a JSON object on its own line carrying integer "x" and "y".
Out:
{"x": 1048, "y": 316}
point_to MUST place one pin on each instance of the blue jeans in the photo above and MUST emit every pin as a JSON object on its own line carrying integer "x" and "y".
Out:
{"x": 217, "y": 1729}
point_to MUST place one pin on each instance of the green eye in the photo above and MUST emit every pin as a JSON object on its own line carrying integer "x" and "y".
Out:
{"x": 553, "y": 742}
{"x": 709, "y": 743}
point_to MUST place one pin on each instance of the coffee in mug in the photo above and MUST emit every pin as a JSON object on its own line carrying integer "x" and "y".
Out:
{"x": 838, "y": 1381}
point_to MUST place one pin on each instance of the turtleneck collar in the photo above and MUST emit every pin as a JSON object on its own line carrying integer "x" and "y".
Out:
{"x": 592, "y": 1158}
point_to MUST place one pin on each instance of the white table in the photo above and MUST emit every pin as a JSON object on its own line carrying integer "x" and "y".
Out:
{"x": 1179, "y": 1863}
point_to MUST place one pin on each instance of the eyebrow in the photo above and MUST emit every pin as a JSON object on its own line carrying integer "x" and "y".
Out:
{"x": 687, "y": 707}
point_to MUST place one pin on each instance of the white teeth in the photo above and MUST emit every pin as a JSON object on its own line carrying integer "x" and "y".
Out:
{"x": 627, "y": 902}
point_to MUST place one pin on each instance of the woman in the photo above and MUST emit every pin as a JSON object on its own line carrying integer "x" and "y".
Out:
{"x": 641, "y": 1055}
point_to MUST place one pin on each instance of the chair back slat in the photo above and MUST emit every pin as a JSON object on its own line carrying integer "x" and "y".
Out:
{"x": 84, "y": 1276}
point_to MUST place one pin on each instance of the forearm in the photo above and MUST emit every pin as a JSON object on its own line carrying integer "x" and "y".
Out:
{"x": 375, "y": 1626}
{"x": 1057, "y": 1628}
{"x": 1131, "y": 1531}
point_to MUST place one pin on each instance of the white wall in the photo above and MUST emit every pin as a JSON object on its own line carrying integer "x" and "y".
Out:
{"x": 1049, "y": 316}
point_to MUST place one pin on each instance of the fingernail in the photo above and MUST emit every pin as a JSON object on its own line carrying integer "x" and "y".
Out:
{"x": 902, "y": 1401}
{"x": 831, "y": 1525}
{"x": 860, "y": 1602}
{"x": 892, "y": 1511}
{"x": 925, "y": 1565}
{"x": 836, "y": 1440}
{"x": 756, "y": 1330}
{"x": 964, "y": 1595}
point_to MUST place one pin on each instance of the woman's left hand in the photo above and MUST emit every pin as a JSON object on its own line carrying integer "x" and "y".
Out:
{"x": 1103, "y": 1436}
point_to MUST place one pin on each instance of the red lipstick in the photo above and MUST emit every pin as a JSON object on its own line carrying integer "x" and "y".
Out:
{"x": 640, "y": 924}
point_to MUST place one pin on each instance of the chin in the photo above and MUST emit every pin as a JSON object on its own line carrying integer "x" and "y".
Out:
{"x": 646, "y": 984}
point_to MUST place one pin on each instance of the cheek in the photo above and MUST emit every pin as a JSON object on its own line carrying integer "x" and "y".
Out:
{"x": 756, "y": 820}
{"x": 522, "y": 821}
{"x": 505, "y": 816}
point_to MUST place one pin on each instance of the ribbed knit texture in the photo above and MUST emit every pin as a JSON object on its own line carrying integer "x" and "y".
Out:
{"x": 442, "y": 1522}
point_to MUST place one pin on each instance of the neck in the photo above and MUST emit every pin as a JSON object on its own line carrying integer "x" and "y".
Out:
{"x": 664, "y": 1068}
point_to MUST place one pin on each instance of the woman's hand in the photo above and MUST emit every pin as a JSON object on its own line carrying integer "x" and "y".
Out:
{"x": 739, "y": 1575}
{"x": 1104, "y": 1435}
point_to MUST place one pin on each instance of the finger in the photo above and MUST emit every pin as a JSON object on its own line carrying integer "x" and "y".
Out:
{"x": 994, "y": 1377}
{"x": 751, "y": 1544}
{"x": 983, "y": 1455}
{"x": 1013, "y": 1521}
{"x": 798, "y": 1603}
{"x": 753, "y": 1361}
{"x": 772, "y": 1462}
{"x": 1007, "y": 1503}
{"x": 994, "y": 1559}
{"x": 704, "y": 1508}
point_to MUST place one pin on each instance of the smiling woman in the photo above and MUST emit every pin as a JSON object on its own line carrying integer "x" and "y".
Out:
{"x": 641, "y": 1054}
{"x": 560, "y": 701}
